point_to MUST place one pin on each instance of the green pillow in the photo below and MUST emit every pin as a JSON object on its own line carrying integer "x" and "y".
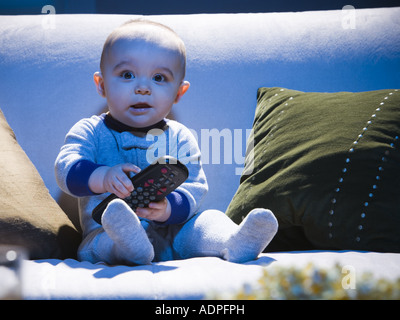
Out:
{"x": 328, "y": 166}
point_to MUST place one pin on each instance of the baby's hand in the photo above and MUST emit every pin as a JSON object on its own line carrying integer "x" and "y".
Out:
{"x": 156, "y": 211}
{"x": 116, "y": 180}
{"x": 113, "y": 179}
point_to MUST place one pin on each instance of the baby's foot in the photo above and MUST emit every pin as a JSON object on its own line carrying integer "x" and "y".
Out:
{"x": 253, "y": 235}
{"x": 123, "y": 226}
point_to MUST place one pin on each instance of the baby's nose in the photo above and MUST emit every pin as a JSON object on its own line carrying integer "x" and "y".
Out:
{"x": 142, "y": 89}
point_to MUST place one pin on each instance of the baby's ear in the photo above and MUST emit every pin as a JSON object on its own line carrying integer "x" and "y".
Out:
{"x": 99, "y": 82}
{"x": 182, "y": 90}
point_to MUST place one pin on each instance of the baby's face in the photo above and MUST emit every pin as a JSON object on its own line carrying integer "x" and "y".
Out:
{"x": 142, "y": 80}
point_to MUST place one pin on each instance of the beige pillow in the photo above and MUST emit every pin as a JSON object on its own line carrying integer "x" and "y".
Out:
{"x": 29, "y": 216}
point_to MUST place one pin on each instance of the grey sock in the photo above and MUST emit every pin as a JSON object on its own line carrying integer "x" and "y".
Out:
{"x": 123, "y": 226}
{"x": 212, "y": 233}
{"x": 253, "y": 235}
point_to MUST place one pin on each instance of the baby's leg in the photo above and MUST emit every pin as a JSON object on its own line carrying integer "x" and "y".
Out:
{"x": 212, "y": 233}
{"x": 121, "y": 240}
{"x": 97, "y": 247}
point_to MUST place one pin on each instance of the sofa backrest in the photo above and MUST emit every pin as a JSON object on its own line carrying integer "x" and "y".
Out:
{"x": 47, "y": 64}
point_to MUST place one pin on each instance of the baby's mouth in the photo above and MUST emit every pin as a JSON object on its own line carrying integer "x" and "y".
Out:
{"x": 141, "y": 106}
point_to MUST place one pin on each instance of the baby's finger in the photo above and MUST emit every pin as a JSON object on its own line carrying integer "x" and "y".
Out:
{"x": 126, "y": 183}
{"x": 120, "y": 190}
{"x": 157, "y": 205}
{"x": 129, "y": 167}
{"x": 143, "y": 212}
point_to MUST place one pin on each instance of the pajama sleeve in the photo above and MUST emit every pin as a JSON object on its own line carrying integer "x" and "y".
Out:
{"x": 78, "y": 178}
{"x": 77, "y": 159}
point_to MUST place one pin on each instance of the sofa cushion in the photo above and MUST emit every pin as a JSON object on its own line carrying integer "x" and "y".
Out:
{"x": 328, "y": 166}
{"x": 29, "y": 217}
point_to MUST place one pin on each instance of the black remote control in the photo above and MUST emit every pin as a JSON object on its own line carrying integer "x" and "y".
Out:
{"x": 150, "y": 185}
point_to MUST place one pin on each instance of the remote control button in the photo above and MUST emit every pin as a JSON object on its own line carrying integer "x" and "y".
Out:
{"x": 164, "y": 170}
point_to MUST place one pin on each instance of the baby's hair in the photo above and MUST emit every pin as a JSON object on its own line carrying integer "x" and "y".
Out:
{"x": 149, "y": 22}
{"x": 141, "y": 21}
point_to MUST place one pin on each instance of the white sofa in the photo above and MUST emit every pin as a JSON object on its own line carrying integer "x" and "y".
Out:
{"x": 46, "y": 68}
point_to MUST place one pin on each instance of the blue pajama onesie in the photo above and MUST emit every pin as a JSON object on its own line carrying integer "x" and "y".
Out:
{"x": 102, "y": 140}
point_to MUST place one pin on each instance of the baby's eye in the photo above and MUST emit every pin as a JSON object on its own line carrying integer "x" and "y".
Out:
{"x": 127, "y": 75}
{"x": 158, "y": 78}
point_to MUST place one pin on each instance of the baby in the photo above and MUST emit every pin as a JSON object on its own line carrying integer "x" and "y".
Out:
{"x": 142, "y": 76}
